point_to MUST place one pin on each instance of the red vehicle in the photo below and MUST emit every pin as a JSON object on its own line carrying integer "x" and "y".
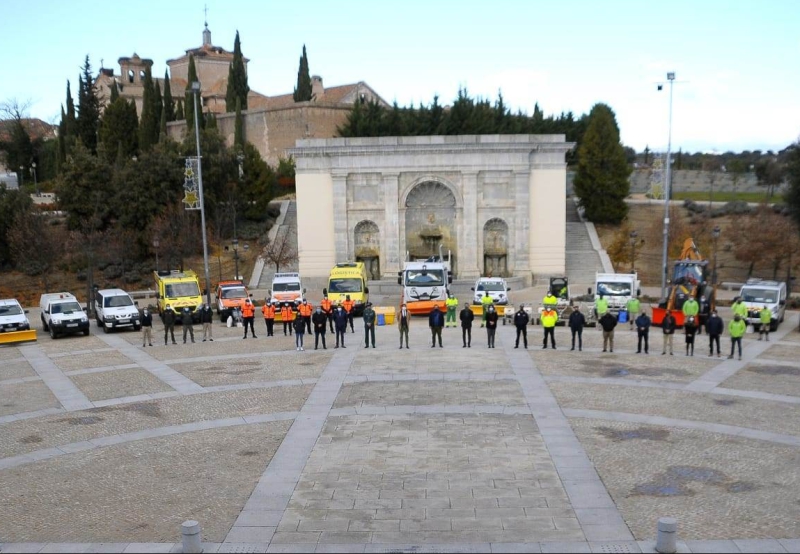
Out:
{"x": 230, "y": 295}
{"x": 689, "y": 280}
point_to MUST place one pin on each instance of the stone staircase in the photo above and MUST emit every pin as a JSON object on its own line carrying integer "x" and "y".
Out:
{"x": 289, "y": 225}
{"x": 582, "y": 260}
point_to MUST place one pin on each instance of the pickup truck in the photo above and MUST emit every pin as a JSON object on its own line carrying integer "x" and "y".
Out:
{"x": 62, "y": 314}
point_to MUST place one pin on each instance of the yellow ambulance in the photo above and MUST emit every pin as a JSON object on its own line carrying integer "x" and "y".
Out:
{"x": 178, "y": 289}
{"x": 348, "y": 279}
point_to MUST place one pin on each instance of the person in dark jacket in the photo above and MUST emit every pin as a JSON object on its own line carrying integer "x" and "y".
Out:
{"x": 299, "y": 325}
{"x": 714, "y": 327}
{"x": 467, "y": 316}
{"x": 689, "y": 331}
{"x": 436, "y": 323}
{"x": 608, "y": 322}
{"x": 147, "y": 327}
{"x": 643, "y": 331}
{"x": 521, "y": 320}
{"x": 188, "y": 324}
{"x": 206, "y": 319}
{"x": 369, "y": 324}
{"x": 320, "y": 322}
{"x": 576, "y": 323}
{"x": 169, "y": 324}
{"x": 340, "y": 321}
{"x": 491, "y": 324}
{"x": 668, "y": 327}
{"x": 403, "y": 323}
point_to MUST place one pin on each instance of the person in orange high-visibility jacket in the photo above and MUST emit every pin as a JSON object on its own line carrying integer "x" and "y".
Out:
{"x": 348, "y": 307}
{"x": 249, "y": 315}
{"x": 287, "y": 316}
{"x": 269, "y": 316}
{"x": 327, "y": 309}
{"x": 305, "y": 310}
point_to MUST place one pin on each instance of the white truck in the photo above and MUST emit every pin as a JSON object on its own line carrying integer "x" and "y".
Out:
{"x": 617, "y": 289}
{"x": 287, "y": 288}
{"x": 757, "y": 293}
{"x": 62, "y": 314}
{"x": 425, "y": 283}
{"x": 115, "y": 309}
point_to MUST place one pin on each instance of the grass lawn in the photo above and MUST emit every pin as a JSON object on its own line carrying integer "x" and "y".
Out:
{"x": 727, "y": 196}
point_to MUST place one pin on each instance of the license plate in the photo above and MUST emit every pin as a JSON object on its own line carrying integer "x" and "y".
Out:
{"x": 72, "y": 324}
{"x": 123, "y": 320}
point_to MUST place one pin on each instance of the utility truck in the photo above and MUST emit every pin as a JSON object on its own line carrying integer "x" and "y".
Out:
{"x": 230, "y": 295}
{"x": 425, "y": 283}
{"x": 62, "y": 314}
{"x": 758, "y": 293}
{"x": 617, "y": 289}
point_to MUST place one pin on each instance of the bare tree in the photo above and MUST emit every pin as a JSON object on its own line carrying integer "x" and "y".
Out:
{"x": 280, "y": 251}
{"x": 36, "y": 245}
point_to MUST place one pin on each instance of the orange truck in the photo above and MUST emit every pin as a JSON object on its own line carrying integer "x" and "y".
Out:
{"x": 230, "y": 295}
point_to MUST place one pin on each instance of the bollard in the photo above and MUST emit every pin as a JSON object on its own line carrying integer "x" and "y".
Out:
{"x": 190, "y": 532}
{"x": 666, "y": 541}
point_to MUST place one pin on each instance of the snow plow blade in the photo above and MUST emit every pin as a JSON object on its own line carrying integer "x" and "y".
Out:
{"x": 18, "y": 336}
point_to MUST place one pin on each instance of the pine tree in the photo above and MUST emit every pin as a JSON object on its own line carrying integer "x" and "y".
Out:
{"x": 302, "y": 92}
{"x": 238, "y": 128}
{"x": 601, "y": 181}
{"x": 237, "y": 79}
{"x": 88, "y": 119}
{"x": 148, "y": 126}
{"x": 169, "y": 103}
{"x": 179, "y": 116}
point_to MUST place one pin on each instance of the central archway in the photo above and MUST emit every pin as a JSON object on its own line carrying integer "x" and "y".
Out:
{"x": 431, "y": 221}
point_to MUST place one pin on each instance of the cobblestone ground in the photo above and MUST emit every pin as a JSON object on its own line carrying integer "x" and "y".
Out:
{"x": 775, "y": 378}
{"x": 26, "y": 397}
{"x": 253, "y": 370}
{"x": 426, "y": 360}
{"x": 119, "y": 383}
{"x": 89, "y": 360}
{"x": 412, "y": 393}
{"x": 15, "y": 369}
{"x": 8, "y": 353}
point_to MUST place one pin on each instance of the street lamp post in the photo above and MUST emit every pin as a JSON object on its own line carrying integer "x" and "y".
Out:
{"x": 196, "y": 91}
{"x": 634, "y": 236}
{"x": 671, "y": 79}
{"x": 715, "y": 233}
{"x": 35, "y": 180}
{"x": 156, "y": 244}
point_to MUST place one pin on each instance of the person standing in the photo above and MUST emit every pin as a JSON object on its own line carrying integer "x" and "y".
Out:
{"x": 486, "y": 301}
{"x": 348, "y": 308}
{"x": 207, "y": 319}
{"x": 689, "y": 331}
{"x": 601, "y": 307}
{"x": 714, "y": 328}
{"x": 188, "y": 324}
{"x": 765, "y": 318}
{"x": 306, "y": 310}
{"x": 550, "y": 301}
{"x": 668, "y": 327}
{"x": 633, "y": 307}
{"x": 491, "y": 324}
{"x": 436, "y": 322}
{"x": 452, "y": 304}
{"x": 147, "y": 327}
{"x": 169, "y": 324}
{"x": 690, "y": 309}
{"x": 249, "y": 316}
{"x": 299, "y": 332}
{"x": 369, "y": 325}
{"x": 268, "y": 310}
{"x": 736, "y": 328}
{"x": 643, "y": 332}
{"x": 521, "y": 320}
{"x": 738, "y": 308}
{"x": 327, "y": 309}
{"x": 340, "y": 320}
{"x": 320, "y": 321}
{"x": 467, "y": 316}
{"x": 287, "y": 316}
{"x": 549, "y": 319}
{"x": 576, "y": 323}
{"x": 608, "y": 322}
{"x": 403, "y": 323}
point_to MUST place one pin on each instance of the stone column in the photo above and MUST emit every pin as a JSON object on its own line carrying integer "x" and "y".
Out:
{"x": 468, "y": 228}
{"x": 390, "y": 234}
{"x": 520, "y": 234}
{"x": 548, "y": 211}
{"x": 340, "y": 227}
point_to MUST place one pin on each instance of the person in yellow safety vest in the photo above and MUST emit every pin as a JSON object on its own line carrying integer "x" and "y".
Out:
{"x": 765, "y": 317}
{"x": 739, "y": 308}
{"x": 549, "y": 301}
{"x": 486, "y": 301}
{"x": 452, "y": 304}
{"x": 736, "y": 328}
{"x": 549, "y": 319}
{"x": 690, "y": 308}
{"x": 600, "y": 307}
{"x": 632, "y": 307}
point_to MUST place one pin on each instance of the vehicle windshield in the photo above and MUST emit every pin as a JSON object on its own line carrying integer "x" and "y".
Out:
{"x": 231, "y": 294}
{"x": 687, "y": 273}
{"x": 285, "y": 287}
{"x": 118, "y": 301}
{"x": 614, "y": 289}
{"x": 179, "y": 290}
{"x": 428, "y": 278}
{"x": 764, "y": 296}
{"x": 344, "y": 285}
{"x": 491, "y": 287}
{"x": 66, "y": 308}
{"x": 10, "y": 310}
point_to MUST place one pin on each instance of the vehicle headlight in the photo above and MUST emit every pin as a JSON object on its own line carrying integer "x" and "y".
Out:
{"x": 108, "y": 318}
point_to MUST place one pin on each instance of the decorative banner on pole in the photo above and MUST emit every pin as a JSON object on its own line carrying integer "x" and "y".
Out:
{"x": 190, "y": 195}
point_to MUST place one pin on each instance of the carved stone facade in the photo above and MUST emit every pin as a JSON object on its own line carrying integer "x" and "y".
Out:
{"x": 495, "y": 202}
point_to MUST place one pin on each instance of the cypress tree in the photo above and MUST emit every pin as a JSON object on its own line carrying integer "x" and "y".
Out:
{"x": 162, "y": 126}
{"x": 188, "y": 111}
{"x": 179, "y": 111}
{"x": 302, "y": 92}
{"x": 601, "y": 181}
{"x": 159, "y": 101}
{"x": 169, "y": 103}
{"x": 114, "y": 93}
{"x": 148, "y": 126}
{"x": 238, "y": 128}
{"x": 237, "y": 79}
{"x": 88, "y": 119}
{"x": 70, "y": 121}
{"x": 119, "y": 129}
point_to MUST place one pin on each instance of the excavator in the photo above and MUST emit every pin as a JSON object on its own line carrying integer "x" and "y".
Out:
{"x": 689, "y": 280}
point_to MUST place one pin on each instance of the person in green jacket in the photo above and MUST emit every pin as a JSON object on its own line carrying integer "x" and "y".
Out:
{"x": 765, "y": 317}
{"x": 736, "y": 328}
{"x": 690, "y": 308}
{"x": 739, "y": 308}
{"x": 486, "y": 301}
{"x": 633, "y": 308}
{"x": 600, "y": 307}
{"x": 451, "y": 303}
{"x": 369, "y": 325}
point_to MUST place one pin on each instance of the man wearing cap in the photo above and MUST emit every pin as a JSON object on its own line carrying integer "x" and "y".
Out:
{"x": 452, "y": 304}
{"x": 436, "y": 322}
{"x": 169, "y": 324}
{"x": 467, "y": 316}
{"x": 369, "y": 325}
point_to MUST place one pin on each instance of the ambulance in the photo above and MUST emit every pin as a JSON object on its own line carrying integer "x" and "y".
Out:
{"x": 348, "y": 279}
{"x": 178, "y": 289}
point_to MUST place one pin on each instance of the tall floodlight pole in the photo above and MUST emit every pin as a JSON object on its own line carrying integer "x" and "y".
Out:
{"x": 670, "y": 78}
{"x": 196, "y": 91}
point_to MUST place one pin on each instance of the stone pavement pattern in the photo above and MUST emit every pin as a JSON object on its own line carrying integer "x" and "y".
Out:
{"x": 397, "y": 450}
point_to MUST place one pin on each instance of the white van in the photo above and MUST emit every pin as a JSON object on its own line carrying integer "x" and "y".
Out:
{"x": 495, "y": 286}
{"x": 757, "y": 293}
{"x": 115, "y": 309}
{"x": 12, "y": 316}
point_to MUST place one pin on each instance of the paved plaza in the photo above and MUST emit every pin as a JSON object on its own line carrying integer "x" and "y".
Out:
{"x": 108, "y": 447}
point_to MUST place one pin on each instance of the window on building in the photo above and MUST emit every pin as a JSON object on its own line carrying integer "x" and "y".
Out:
{"x": 130, "y": 75}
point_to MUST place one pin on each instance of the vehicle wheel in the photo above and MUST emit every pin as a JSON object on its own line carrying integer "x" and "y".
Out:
{"x": 773, "y": 326}
{"x": 106, "y": 328}
{"x": 137, "y": 327}
{"x": 86, "y": 332}
{"x": 53, "y": 333}
{"x": 99, "y": 323}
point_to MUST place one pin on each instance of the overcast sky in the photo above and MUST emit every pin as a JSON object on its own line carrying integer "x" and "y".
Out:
{"x": 737, "y": 63}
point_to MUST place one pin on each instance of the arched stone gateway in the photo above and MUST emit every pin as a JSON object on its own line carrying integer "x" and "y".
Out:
{"x": 368, "y": 247}
{"x": 431, "y": 221}
{"x": 495, "y": 248}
